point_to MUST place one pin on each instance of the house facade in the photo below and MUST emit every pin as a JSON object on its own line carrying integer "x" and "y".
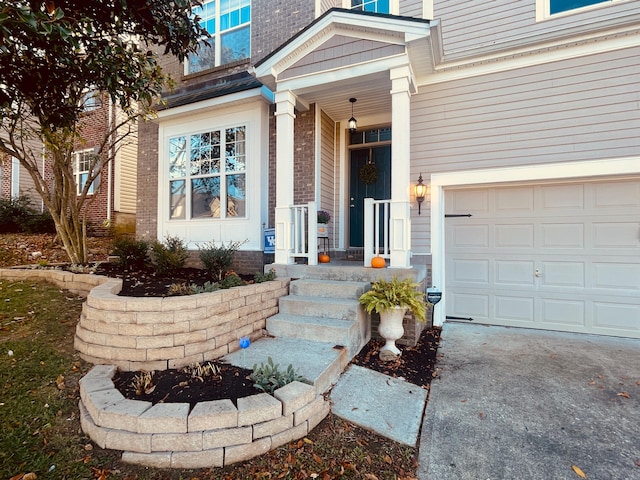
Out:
{"x": 521, "y": 118}
{"x": 112, "y": 196}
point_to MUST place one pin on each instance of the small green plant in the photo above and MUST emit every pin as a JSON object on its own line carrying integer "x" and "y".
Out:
{"x": 131, "y": 253}
{"x": 265, "y": 277}
{"x": 218, "y": 259}
{"x": 386, "y": 294}
{"x": 268, "y": 378}
{"x": 231, "y": 280}
{"x": 143, "y": 383}
{"x": 206, "y": 288}
{"x": 170, "y": 255}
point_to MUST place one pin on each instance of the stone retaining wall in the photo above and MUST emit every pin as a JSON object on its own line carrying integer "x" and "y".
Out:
{"x": 145, "y": 333}
{"x": 213, "y": 434}
{"x": 77, "y": 283}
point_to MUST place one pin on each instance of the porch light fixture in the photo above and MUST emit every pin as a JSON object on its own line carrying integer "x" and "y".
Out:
{"x": 353, "y": 124}
{"x": 420, "y": 191}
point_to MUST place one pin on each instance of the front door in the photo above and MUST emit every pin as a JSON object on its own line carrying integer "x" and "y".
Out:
{"x": 370, "y": 177}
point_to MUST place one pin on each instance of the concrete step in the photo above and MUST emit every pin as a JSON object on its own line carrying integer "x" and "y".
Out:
{"x": 339, "y": 308}
{"x": 317, "y": 329}
{"x": 320, "y": 363}
{"x": 328, "y": 288}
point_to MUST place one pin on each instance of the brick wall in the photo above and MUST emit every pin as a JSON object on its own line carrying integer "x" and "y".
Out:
{"x": 304, "y": 156}
{"x": 146, "y": 204}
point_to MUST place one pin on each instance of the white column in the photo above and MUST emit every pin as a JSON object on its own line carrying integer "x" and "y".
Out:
{"x": 285, "y": 116}
{"x": 400, "y": 241}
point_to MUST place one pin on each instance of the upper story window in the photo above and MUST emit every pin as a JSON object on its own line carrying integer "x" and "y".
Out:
{"x": 548, "y": 8}
{"x": 207, "y": 174}
{"x": 374, "y": 135}
{"x": 84, "y": 162}
{"x": 377, "y": 6}
{"x": 229, "y": 24}
{"x": 91, "y": 101}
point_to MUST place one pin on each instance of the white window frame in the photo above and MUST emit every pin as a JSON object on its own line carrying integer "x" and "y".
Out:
{"x": 78, "y": 173}
{"x": 543, "y": 9}
{"x": 216, "y": 37}
{"x": 394, "y": 6}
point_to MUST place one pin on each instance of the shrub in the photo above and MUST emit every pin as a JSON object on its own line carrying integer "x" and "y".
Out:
{"x": 207, "y": 287}
{"x": 217, "y": 260}
{"x": 14, "y": 213}
{"x": 268, "y": 378}
{"x": 179, "y": 289}
{"x": 231, "y": 280}
{"x": 169, "y": 256}
{"x": 131, "y": 253}
{"x": 265, "y": 277}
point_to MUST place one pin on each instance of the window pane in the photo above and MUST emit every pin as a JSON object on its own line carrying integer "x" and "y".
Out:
{"x": 235, "y": 154}
{"x": 177, "y": 157}
{"x": 236, "y": 195}
{"x": 205, "y": 197}
{"x": 564, "y": 5}
{"x": 176, "y": 199}
{"x": 205, "y": 57}
{"x": 235, "y": 45}
{"x": 385, "y": 134}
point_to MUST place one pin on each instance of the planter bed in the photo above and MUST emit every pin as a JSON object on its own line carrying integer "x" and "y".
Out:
{"x": 212, "y": 434}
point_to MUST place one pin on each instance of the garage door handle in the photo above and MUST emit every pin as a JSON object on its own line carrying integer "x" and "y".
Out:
{"x": 538, "y": 273}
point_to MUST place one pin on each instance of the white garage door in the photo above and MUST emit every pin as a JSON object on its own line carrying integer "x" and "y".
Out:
{"x": 553, "y": 256}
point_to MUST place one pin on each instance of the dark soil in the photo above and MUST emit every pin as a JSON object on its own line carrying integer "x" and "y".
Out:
{"x": 416, "y": 365}
{"x": 146, "y": 282}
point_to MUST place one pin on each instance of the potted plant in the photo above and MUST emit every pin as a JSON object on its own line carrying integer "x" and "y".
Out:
{"x": 323, "y": 220}
{"x": 391, "y": 299}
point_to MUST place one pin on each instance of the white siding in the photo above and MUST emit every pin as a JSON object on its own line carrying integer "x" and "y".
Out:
{"x": 579, "y": 109}
{"x": 469, "y": 25}
{"x": 411, "y": 8}
{"x": 328, "y": 172}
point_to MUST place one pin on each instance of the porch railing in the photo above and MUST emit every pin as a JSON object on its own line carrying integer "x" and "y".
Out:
{"x": 377, "y": 215}
{"x": 304, "y": 234}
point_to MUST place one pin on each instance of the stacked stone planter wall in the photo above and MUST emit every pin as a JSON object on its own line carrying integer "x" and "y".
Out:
{"x": 213, "y": 434}
{"x": 144, "y": 333}
{"x": 77, "y": 283}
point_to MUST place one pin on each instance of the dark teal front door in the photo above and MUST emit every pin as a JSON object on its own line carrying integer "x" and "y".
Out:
{"x": 361, "y": 188}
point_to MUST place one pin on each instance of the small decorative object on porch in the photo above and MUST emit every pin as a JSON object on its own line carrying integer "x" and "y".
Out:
{"x": 369, "y": 173}
{"x": 323, "y": 220}
{"x": 378, "y": 262}
{"x": 323, "y": 258}
{"x": 391, "y": 299}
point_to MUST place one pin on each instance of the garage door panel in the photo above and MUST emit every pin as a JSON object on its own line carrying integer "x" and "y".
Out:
{"x": 561, "y": 235}
{"x": 616, "y": 316}
{"x": 616, "y": 234}
{"x": 465, "y": 236}
{"x": 470, "y": 271}
{"x": 514, "y": 309}
{"x": 555, "y": 256}
{"x": 468, "y": 304}
{"x": 512, "y": 272}
{"x": 558, "y": 312}
{"x": 618, "y": 276}
{"x": 514, "y": 236}
{"x": 562, "y": 274}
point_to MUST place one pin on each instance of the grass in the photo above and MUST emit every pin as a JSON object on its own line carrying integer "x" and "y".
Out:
{"x": 40, "y": 429}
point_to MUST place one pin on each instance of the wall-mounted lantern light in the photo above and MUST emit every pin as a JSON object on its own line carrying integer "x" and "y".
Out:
{"x": 353, "y": 124}
{"x": 420, "y": 191}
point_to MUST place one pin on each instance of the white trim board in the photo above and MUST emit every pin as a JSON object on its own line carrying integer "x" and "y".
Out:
{"x": 586, "y": 170}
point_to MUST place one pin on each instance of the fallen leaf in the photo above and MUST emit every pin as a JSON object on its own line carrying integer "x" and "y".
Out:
{"x": 370, "y": 476}
{"x": 578, "y": 471}
{"x": 387, "y": 459}
{"x": 306, "y": 440}
{"x": 623, "y": 394}
{"x": 60, "y": 382}
{"x": 637, "y": 462}
{"x": 317, "y": 459}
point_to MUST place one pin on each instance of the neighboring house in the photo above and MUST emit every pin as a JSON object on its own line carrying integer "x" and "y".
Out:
{"x": 521, "y": 117}
{"x": 112, "y": 198}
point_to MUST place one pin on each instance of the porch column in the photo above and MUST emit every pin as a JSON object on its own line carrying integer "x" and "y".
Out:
{"x": 400, "y": 241}
{"x": 285, "y": 116}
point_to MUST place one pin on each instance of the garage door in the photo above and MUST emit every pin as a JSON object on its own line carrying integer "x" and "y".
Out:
{"x": 553, "y": 256}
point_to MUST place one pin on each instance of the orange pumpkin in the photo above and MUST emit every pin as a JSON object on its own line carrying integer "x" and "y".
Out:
{"x": 378, "y": 262}
{"x": 323, "y": 258}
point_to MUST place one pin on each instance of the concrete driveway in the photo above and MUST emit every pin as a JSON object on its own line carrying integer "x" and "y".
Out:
{"x": 516, "y": 403}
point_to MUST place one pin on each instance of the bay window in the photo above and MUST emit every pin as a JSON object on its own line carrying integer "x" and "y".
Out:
{"x": 207, "y": 174}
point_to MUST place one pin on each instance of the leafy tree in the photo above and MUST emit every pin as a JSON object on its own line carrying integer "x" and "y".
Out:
{"x": 54, "y": 52}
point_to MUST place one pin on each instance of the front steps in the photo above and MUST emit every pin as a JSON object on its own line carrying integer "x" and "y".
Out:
{"x": 321, "y": 325}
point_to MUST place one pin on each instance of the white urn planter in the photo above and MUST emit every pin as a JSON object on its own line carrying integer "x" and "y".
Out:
{"x": 391, "y": 329}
